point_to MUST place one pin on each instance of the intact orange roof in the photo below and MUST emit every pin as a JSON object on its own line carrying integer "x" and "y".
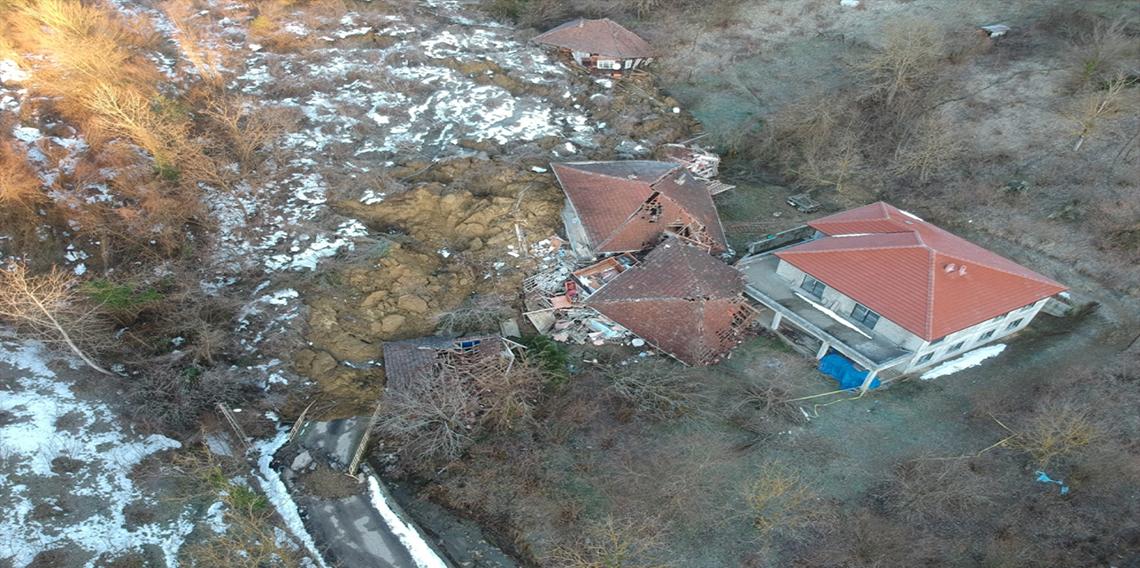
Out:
{"x": 602, "y": 37}
{"x": 608, "y": 197}
{"x": 679, "y": 299}
{"x": 927, "y": 280}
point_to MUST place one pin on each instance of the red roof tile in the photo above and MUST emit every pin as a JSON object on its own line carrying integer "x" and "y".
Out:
{"x": 911, "y": 272}
{"x": 601, "y": 37}
{"x": 679, "y": 299}
{"x": 609, "y": 195}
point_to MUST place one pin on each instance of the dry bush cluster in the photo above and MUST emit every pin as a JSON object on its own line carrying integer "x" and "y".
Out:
{"x": 656, "y": 388}
{"x": 782, "y": 500}
{"x": 439, "y": 414}
{"x": 477, "y": 313}
{"x": 613, "y": 544}
{"x": 172, "y": 400}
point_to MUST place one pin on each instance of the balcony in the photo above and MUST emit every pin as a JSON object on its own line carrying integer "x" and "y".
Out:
{"x": 793, "y": 306}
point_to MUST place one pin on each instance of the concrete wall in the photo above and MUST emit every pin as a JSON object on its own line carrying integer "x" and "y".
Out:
{"x": 970, "y": 337}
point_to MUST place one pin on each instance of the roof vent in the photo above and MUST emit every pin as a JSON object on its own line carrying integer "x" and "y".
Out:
{"x": 949, "y": 268}
{"x": 962, "y": 270}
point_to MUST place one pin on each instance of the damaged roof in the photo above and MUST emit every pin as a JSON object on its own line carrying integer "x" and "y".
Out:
{"x": 411, "y": 359}
{"x": 925, "y": 279}
{"x": 609, "y": 199}
{"x": 680, "y": 299}
{"x": 601, "y": 37}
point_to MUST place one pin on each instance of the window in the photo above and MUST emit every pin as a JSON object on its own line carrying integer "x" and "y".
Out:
{"x": 864, "y": 316}
{"x": 1029, "y": 307}
{"x": 607, "y": 64}
{"x": 986, "y": 335}
{"x": 956, "y": 347}
{"x": 628, "y": 63}
{"x": 924, "y": 358}
{"x": 1013, "y": 324}
{"x": 813, "y": 286}
{"x": 1001, "y": 317}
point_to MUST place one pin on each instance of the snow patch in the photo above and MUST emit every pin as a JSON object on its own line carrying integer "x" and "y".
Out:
{"x": 970, "y": 359}
{"x": 422, "y": 554}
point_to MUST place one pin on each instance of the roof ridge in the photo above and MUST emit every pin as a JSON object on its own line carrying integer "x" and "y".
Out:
{"x": 830, "y": 251}
{"x": 928, "y": 321}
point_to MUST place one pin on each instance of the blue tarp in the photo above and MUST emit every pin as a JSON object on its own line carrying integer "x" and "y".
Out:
{"x": 844, "y": 371}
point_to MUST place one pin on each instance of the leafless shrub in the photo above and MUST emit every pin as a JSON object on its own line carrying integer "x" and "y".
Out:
{"x": 656, "y": 388}
{"x": 929, "y": 148}
{"x": 477, "y": 313}
{"x": 613, "y": 544}
{"x": 1089, "y": 109}
{"x": 170, "y": 399}
{"x": 782, "y": 501}
{"x": 51, "y": 308}
{"x": 509, "y": 391}
{"x": 1103, "y": 52}
{"x": 1057, "y": 432}
{"x": 434, "y": 419}
{"x": 937, "y": 490}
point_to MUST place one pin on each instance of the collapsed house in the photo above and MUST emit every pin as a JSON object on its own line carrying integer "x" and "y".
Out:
{"x": 600, "y": 46}
{"x": 878, "y": 288}
{"x": 628, "y": 206}
{"x": 409, "y": 362}
{"x": 680, "y": 300}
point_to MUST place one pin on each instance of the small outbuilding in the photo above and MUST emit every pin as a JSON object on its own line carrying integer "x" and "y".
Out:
{"x": 601, "y": 46}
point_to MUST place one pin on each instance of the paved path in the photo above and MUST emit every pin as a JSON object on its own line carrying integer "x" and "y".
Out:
{"x": 350, "y": 530}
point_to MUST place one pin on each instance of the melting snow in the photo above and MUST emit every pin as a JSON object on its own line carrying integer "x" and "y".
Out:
{"x": 970, "y": 359}
{"x": 31, "y": 439}
{"x": 422, "y": 554}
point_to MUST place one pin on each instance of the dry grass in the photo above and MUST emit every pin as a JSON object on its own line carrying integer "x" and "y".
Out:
{"x": 781, "y": 500}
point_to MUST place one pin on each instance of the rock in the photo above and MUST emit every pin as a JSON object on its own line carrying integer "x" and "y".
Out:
{"x": 414, "y": 304}
{"x": 346, "y": 347}
{"x": 637, "y": 342}
{"x": 475, "y": 244}
{"x": 374, "y": 299}
{"x": 392, "y": 323}
{"x": 471, "y": 230}
{"x": 302, "y": 461}
{"x": 322, "y": 363}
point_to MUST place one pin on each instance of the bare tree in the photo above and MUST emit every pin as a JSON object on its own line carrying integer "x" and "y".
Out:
{"x": 477, "y": 313}
{"x": 908, "y": 58}
{"x": 52, "y": 309}
{"x": 930, "y": 148}
{"x": 1096, "y": 106}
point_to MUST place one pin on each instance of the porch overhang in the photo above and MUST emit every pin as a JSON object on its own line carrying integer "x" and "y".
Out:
{"x": 866, "y": 348}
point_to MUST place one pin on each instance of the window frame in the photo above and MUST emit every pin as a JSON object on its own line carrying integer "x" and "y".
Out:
{"x": 868, "y": 314}
{"x": 1015, "y": 323}
{"x": 811, "y": 290}
{"x": 924, "y": 358}
{"x": 987, "y": 335}
{"x": 955, "y": 347}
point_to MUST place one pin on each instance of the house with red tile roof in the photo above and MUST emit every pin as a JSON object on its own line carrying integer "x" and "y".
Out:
{"x": 601, "y": 46}
{"x": 628, "y": 206}
{"x": 680, "y": 300}
{"x": 889, "y": 291}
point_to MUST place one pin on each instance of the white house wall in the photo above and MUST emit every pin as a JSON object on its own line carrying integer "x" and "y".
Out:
{"x": 889, "y": 330}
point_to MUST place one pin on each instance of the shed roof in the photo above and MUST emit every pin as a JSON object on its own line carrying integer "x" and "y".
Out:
{"x": 603, "y": 37}
{"x": 923, "y": 278}
{"x": 407, "y": 361}
{"x": 607, "y": 195}
{"x": 680, "y": 299}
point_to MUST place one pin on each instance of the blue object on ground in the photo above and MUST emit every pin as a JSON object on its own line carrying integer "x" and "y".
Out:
{"x": 1045, "y": 479}
{"x": 844, "y": 371}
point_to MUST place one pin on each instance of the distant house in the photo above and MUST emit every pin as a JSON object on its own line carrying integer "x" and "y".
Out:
{"x": 627, "y": 206}
{"x": 601, "y": 46}
{"x": 884, "y": 289}
{"x": 680, "y": 300}
{"x": 409, "y": 362}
